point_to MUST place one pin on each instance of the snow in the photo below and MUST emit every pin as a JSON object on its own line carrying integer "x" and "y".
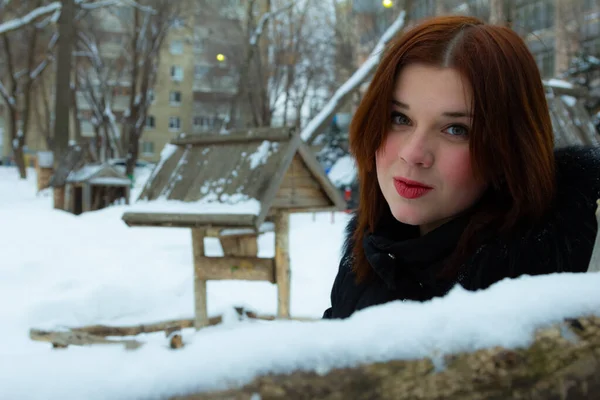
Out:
{"x": 109, "y": 180}
{"x": 84, "y": 173}
{"x": 261, "y": 156}
{"x": 559, "y": 83}
{"x": 355, "y": 80}
{"x": 569, "y": 100}
{"x": 343, "y": 171}
{"x": 210, "y": 204}
{"x": 61, "y": 270}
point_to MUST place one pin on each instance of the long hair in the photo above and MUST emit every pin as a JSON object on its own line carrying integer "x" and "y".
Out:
{"x": 511, "y": 141}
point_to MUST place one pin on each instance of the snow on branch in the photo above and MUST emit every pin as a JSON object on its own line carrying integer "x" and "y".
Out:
{"x": 18, "y": 23}
{"x": 263, "y": 21}
{"x": 7, "y": 97}
{"x": 312, "y": 129}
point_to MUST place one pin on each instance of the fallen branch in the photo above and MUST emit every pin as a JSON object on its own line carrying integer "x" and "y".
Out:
{"x": 563, "y": 362}
{"x": 93, "y": 333}
{"x": 62, "y": 339}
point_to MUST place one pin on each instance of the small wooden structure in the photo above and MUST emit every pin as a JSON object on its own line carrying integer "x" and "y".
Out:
{"x": 269, "y": 166}
{"x": 89, "y": 186}
{"x": 44, "y": 165}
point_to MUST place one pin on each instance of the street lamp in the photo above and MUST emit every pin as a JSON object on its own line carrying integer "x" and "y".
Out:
{"x": 388, "y": 3}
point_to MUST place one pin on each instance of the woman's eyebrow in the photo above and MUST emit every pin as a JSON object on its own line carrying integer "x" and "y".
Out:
{"x": 451, "y": 114}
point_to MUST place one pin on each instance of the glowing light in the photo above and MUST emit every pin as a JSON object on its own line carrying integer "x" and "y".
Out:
{"x": 388, "y": 3}
{"x": 220, "y": 57}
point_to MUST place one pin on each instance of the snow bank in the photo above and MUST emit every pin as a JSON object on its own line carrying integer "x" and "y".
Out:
{"x": 59, "y": 270}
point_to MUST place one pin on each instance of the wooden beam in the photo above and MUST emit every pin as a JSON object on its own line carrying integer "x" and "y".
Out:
{"x": 282, "y": 264}
{"x": 67, "y": 338}
{"x": 86, "y": 201}
{"x": 255, "y": 134}
{"x": 189, "y": 220}
{"x": 237, "y": 268}
{"x": 313, "y": 165}
{"x": 200, "y": 295}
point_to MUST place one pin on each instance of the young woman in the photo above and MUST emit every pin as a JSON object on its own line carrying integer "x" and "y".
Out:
{"x": 459, "y": 179}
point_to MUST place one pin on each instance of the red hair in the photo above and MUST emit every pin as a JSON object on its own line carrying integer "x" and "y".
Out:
{"x": 511, "y": 140}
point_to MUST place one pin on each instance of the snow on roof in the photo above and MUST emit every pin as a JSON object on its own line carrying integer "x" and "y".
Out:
{"x": 110, "y": 180}
{"x": 84, "y": 173}
{"x": 210, "y": 204}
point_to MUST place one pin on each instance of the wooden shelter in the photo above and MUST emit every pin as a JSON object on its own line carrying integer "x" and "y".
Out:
{"x": 270, "y": 167}
{"x": 89, "y": 186}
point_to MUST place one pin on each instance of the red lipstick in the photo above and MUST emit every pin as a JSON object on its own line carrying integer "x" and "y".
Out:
{"x": 411, "y": 189}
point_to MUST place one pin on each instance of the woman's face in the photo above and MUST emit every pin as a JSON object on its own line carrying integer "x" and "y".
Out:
{"x": 423, "y": 166}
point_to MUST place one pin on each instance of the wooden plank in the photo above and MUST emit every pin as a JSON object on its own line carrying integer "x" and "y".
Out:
{"x": 313, "y": 165}
{"x": 254, "y": 134}
{"x": 300, "y": 182}
{"x": 239, "y": 245}
{"x": 282, "y": 264}
{"x": 180, "y": 186}
{"x": 300, "y": 203}
{"x": 62, "y": 339}
{"x": 237, "y": 268}
{"x": 160, "y": 178}
{"x": 200, "y": 295}
{"x": 189, "y": 220}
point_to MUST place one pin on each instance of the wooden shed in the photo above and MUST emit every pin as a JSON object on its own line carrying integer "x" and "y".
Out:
{"x": 234, "y": 186}
{"x": 89, "y": 186}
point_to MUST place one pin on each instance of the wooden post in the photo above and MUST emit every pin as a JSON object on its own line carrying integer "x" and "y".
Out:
{"x": 86, "y": 197}
{"x": 282, "y": 264}
{"x": 200, "y": 307}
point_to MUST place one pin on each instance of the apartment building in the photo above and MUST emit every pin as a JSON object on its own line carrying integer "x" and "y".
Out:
{"x": 197, "y": 77}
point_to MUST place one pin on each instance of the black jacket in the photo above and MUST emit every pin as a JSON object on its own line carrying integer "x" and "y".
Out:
{"x": 406, "y": 266}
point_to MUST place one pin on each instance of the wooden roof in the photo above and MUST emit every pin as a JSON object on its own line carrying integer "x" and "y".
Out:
{"x": 270, "y": 165}
{"x": 98, "y": 174}
{"x": 571, "y": 122}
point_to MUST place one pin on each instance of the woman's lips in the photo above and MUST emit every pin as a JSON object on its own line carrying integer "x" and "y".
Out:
{"x": 410, "y": 189}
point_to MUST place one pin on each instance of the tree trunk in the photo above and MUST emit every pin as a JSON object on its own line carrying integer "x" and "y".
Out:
{"x": 63, "y": 85}
{"x": 501, "y": 12}
{"x": 563, "y": 363}
{"x": 566, "y": 24}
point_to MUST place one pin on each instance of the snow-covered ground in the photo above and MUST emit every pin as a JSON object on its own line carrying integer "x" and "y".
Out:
{"x": 58, "y": 270}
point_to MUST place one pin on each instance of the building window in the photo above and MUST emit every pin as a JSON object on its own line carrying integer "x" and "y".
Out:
{"x": 176, "y": 46}
{"x": 177, "y": 73}
{"x": 150, "y": 122}
{"x": 175, "y": 98}
{"x": 204, "y": 123}
{"x": 150, "y": 96}
{"x": 147, "y": 148}
{"x": 174, "y": 123}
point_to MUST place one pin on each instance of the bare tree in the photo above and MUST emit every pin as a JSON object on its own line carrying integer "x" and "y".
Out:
{"x": 128, "y": 74}
{"x": 26, "y": 45}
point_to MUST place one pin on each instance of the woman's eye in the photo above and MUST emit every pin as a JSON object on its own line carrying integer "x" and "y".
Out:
{"x": 400, "y": 119}
{"x": 457, "y": 130}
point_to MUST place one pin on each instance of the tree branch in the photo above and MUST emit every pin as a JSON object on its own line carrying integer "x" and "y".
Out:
{"x": 18, "y": 23}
